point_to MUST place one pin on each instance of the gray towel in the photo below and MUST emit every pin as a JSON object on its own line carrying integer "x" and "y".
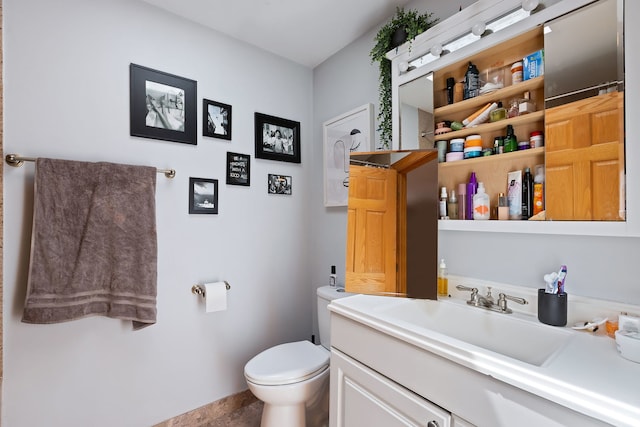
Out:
{"x": 93, "y": 243}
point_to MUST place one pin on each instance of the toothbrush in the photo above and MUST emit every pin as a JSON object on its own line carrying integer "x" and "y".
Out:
{"x": 562, "y": 274}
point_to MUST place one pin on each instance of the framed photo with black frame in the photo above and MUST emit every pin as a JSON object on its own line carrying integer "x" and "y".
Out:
{"x": 162, "y": 105}
{"x": 203, "y": 196}
{"x": 238, "y": 169}
{"x": 279, "y": 184}
{"x": 277, "y": 138}
{"x": 216, "y": 119}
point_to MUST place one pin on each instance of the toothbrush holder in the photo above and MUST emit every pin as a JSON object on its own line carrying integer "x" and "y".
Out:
{"x": 552, "y": 308}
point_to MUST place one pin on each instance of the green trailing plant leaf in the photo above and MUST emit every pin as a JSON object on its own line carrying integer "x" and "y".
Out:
{"x": 414, "y": 23}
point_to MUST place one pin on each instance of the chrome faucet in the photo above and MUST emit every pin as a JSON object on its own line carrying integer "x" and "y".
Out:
{"x": 488, "y": 302}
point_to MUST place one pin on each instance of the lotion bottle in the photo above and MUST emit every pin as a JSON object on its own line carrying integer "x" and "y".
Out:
{"x": 443, "y": 280}
{"x": 481, "y": 204}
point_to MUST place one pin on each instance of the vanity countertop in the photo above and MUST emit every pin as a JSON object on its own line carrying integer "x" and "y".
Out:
{"x": 586, "y": 374}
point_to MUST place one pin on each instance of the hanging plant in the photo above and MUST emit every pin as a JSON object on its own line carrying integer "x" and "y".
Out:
{"x": 405, "y": 25}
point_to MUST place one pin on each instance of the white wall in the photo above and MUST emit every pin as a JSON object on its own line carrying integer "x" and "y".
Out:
{"x": 66, "y": 93}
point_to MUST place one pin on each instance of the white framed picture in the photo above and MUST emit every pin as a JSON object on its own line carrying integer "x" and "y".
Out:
{"x": 348, "y": 133}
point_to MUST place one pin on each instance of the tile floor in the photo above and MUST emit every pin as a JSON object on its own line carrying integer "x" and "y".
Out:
{"x": 247, "y": 416}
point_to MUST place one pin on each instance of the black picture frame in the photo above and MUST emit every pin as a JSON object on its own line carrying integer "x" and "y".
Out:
{"x": 216, "y": 119}
{"x": 162, "y": 105}
{"x": 238, "y": 169}
{"x": 203, "y": 196}
{"x": 279, "y": 184}
{"x": 285, "y": 148}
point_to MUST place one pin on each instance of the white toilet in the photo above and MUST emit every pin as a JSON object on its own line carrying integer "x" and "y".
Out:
{"x": 292, "y": 379}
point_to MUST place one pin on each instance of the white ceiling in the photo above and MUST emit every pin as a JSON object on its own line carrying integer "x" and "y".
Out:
{"x": 304, "y": 31}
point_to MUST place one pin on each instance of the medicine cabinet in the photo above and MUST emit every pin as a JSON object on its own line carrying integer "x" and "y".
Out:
{"x": 444, "y": 51}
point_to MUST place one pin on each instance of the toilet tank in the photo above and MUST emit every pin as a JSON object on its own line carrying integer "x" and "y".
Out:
{"x": 326, "y": 294}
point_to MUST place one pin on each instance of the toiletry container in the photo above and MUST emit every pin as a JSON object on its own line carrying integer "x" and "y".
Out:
{"x": 503, "y": 207}
{"x": 500, "y": 113}
{"x": 527, "y": 194}
{"x": 452, "y": 205}
{"x": 538, "y": 190}
{"x": 462, "y": 201}
{"x": 333, "y": 277}
{"x": 443, "y": 279}
{"x": 443, "y": 203}
{"x": 481, "y": 204}
{"x": 510, "y": 140}
{"x": 292, "y": 379}
{"x": 471, "y": 82}
{"x": 472, "y": 186}
{"x": 516, "y": 72}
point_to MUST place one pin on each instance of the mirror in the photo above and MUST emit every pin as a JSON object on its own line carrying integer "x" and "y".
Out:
{"x": 392, "y": 227}
{"x": 579, "y": 102}
{"x": 416, "y": 113}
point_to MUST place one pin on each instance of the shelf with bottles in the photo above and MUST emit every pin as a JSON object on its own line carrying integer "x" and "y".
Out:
{"x": 536, "y": 118}
{"x": 469, "y": 106}
{"x": 491, "y": 170}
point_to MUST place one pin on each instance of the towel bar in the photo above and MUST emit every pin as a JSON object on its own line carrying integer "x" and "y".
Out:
{"x": 199, "y": 289}
{"x": 17, "y": 160}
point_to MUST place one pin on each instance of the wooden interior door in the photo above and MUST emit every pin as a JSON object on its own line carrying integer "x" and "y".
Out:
{"x": 371, "y": 230}
{"x": 584, "y": 159}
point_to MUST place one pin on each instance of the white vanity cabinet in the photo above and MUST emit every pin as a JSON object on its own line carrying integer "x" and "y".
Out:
{"x": 382, "y": 376}
{"x": 363, "y": 397}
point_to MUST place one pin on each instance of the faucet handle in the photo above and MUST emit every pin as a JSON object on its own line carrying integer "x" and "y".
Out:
{"x": 502, "y": 302}
{"x": 466, "y": 288}
{"x": 474, "y": 293}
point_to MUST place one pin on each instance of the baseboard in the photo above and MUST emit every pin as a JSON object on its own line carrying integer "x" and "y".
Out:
{"x": 201, "y": 416}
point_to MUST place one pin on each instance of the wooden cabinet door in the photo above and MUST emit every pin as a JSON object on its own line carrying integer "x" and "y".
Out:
{"x": 371, "y": 230}
{"x": 584, "y": 166}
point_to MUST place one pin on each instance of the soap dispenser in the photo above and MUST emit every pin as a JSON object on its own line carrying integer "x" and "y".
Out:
{"x": 481, "y": 203}
{"x": 443, "y": 280}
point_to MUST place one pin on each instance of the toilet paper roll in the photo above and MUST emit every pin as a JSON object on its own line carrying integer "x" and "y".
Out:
{"x": 215, "y": 295}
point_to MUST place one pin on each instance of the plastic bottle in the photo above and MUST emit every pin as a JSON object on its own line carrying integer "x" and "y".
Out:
{"x": 471, "y": 82}
{"x": 333, "y": 276}
{"x": 451, "y": 82}
{"x": 527, "y": 194}
{"x": 538, "y": 190}
{"x": 452, "y": 206}
{"x": 481, "y": 204}
{"x": 516, "y": 72}
{"x": 510, "y": 141}
{"x": 503, "y": 207}
{"x": 443, "y": 279}
{"x": 472, "y": 187}
{"x": 443, "y": 203}
{"x": 462, "y": 201}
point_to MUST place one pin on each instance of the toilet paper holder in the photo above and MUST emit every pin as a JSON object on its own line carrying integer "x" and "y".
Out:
{"x": 199, "y": 290}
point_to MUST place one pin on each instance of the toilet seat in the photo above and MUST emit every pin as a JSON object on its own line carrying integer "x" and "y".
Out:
{"x": 287, "y": 363}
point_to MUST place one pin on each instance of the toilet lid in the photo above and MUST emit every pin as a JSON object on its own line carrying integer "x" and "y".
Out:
{"x": 287, "y": 363}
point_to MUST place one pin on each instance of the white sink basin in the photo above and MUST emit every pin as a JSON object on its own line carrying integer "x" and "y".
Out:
{"x": 526, "y": 340}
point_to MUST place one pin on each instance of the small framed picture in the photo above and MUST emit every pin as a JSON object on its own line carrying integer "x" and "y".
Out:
{"x": 216, "y": 119}
{"x": 238, "y": 169}
{"x": 277, "y": 138}
{"x": 203, "y": 196}
{"x": 279, "y": 184}
{"x": 162, "y": 105}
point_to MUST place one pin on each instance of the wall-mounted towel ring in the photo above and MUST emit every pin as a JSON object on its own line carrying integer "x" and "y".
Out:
{"x": 199, "y": 289}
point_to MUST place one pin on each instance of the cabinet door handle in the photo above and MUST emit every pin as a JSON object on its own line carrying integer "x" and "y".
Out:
{"x": 433, "y": 424}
